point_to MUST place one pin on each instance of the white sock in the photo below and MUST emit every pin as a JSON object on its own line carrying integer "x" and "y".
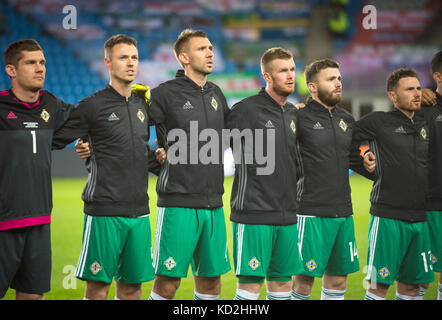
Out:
{"x": 371, "y": 296}
{"x": 245, "y": 295}
{"x": 85, "y": 298}
{"x": 331, "y": 294}
{"x": 399, "y": 296}
{"x": 297, "y": 296}
{"x": 156, "y": 296}
{"x": 421, "y": 293}
{"x": 439, "y": 292}
{"x": 278, "y": 295}
{"x": 204, "y": 296}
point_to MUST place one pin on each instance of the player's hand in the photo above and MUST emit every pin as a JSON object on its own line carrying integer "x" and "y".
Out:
{"x": 143, "y": 91}
{"x": 300, "y": 105}
{"x": 160, "y": 155}
{"x": 428, "y": 97}
{"x": 82, "y": 149}
{"x": 369, "y": 161}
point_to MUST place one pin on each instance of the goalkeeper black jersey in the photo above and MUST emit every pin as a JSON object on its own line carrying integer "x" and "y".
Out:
{"x": 26, "y": 131}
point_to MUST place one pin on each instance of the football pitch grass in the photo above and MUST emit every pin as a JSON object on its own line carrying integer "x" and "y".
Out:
{"x": 67, "y": 229}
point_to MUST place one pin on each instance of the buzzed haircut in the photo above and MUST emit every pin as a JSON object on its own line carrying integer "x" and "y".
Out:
{"x": 395, "y": 76}
{"x": 14, "y": 52}
{"x": 273, "y": 54}
{"x": 313, "y": 69}
{"x": 117, "y": 39}
{"x": 183, "y": 39}
{"x": 436, "y": 63}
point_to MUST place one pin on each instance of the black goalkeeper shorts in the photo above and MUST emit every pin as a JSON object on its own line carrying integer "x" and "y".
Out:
{"x": 25, "y": 259}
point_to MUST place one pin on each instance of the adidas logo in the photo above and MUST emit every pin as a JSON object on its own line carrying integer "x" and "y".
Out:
{"x": 113, "y": 117}
{"x": 11, "y": 115}
{"x": 400, "y": 130}
{"x": 187, "y": 105}
{"x": 318, "y": 126}
{"x": 269, "y": 125}
{"x": 438, "y": 118}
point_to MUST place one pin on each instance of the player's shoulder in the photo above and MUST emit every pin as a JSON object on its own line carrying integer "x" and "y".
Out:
{"x": 246, "y": 104}
{"x": 95, "y": 96}
{"x": 374, "y": 115}
{"x": 345, "y": 113}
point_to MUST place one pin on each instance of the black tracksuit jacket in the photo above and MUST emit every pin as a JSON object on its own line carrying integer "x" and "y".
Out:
{"x": 401, "y": 149}
{"x": 433, "y": 116}
{"x": 265, "y": 199}
{"x": 324, "y": 143}
{"x": 175, "y": 104}
{"x": 118, "y": 133}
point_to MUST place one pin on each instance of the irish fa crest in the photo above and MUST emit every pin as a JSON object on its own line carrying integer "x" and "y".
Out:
{"x": 170, "y": 263}
{"x": 311, "y": 265}
{"x": 254, "y": 263}
{"x": 384, "y": 272}
{"x": 293, "y": 126}
{"x": 424, "y": 133}
{"x": 343, "y": 125}
{"x": 95, "y": 267}
{"x": 214, "y": 103}
{"x": 45, "y": 115}
{"x": 140, "y": 115}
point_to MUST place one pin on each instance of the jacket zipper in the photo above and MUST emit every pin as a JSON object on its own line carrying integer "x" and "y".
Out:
{"x": 133, "y": 154}
{"x": 285, "y": 145}
{"x": 415, "y": 157}
{"x": 208, "y": 168}
{"x": 336, "y": 156}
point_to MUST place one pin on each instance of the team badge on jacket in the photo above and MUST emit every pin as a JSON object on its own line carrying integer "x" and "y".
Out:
{"x": 140, "y": 115}
{"x": 343, "y": 125}
{"x": 45, "y": 115}
{"x": 424, "y": 133}
{"x": 293, "y": 126}
{"x": 214, "y": 103}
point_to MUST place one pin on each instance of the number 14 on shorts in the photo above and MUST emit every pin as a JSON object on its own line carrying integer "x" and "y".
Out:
{"x": 353, "y": 251}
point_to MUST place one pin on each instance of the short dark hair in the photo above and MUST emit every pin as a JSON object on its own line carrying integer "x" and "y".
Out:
{"x": 14, "y": 52}
{"x": 273, "y": 54}
{"x": 117, "y": 39}
{"x": 436, "y": 63}
{"x": 396, "y": 75}
{"x": 184, "y": 38}
{"x": 312, "y": 70}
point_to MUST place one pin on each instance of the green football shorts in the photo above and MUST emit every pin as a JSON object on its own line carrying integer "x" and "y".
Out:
{"x": 116, "y": 248}
{"x": 265, "y": 251}
{"x": 327, "y": 245}
{"x": 398, "y": 250}
{"x": 435, "y": 228}
{"x": 187, "y": 236}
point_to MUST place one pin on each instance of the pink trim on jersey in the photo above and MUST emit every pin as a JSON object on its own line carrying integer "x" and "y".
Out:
{"x": 4, "y": 93}
{"x": 27, "y": 104}
{"x": 26, "y": 222}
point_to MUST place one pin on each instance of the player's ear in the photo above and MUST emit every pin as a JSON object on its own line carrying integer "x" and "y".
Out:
{"x": 437, "y": 76}
{"x": 107, "y": 62}
{"x": 393, "y": 96}
{"x": 267, "y": 77}
{"x": 312, "y": 87}
{"x": 183, "y": 58}
{"x": 11, "y": 71}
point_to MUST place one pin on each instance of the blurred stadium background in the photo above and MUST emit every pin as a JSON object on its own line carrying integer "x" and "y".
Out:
{"x": 408, "y": 33}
